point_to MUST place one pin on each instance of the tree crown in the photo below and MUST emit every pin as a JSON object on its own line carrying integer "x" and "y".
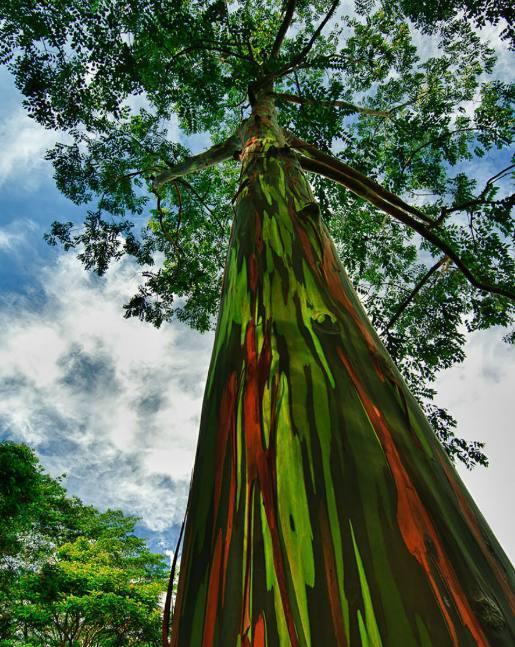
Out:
{"x": 429, "y": 254}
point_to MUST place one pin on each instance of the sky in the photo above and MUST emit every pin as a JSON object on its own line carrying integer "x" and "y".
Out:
{"x": 115, "y": 403}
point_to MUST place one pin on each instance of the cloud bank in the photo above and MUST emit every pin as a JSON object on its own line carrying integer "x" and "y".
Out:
{"x": 113, "y": 403}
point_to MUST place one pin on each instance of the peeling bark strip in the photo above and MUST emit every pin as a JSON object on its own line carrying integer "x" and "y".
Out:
{"x": 323, "y": 510}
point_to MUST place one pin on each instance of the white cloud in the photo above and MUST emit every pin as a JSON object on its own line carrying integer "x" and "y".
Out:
{"x": 114, "y": 403}
{"x": 14, "y": 237}
{"x": 23, "y": 143}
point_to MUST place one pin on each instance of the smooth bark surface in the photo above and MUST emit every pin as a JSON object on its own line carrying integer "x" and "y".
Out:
{"x": 323, "y": 510}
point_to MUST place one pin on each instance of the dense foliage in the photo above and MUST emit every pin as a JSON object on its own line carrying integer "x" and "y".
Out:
{"x": 421, "y": 115}
{"x": 70, "y": 574}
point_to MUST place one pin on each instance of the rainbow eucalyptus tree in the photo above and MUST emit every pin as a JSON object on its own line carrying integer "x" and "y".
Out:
{"x": 324, "y": 509}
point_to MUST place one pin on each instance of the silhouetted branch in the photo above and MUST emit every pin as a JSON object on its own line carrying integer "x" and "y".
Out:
{"x": 404, "y": 304}
{"x": 297, "y": 60}
{"x": 293, "y": 98}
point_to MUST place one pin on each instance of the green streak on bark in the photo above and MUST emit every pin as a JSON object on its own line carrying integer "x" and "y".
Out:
{"x": 372, "y": 631}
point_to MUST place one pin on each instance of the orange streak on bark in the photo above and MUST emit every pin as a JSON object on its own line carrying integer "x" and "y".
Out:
{"x": 253, "y": 275}
{"x": 251, "y": 408}
{"x": 335, "y": 285}
{"x": 225, "y": 425}
{"x": 260, "y": 463}
{"x": 231, "y": 505}
{"x": 415, "y": 524}
{"x": 306, "y": 245}
{"x": 330, "y": 574}
{"x": 258, "y": 640}
{"x": 228, "y": 534}
{"x": 212, "y": 595}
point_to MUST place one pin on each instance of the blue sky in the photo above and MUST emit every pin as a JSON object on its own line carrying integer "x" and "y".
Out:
{"x": 115, "y": 403}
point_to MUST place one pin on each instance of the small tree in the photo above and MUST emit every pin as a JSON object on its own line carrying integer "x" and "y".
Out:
{"x": 72, "y": 575}
{"x": 323, "y": 509}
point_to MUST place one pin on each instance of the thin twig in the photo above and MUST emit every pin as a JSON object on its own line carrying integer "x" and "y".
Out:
{"x": 436, "y": 140}
{"x": 500, "y": 175}
{"x": 468, "y": 205}
{"x": 210, "y": 48}
{"x": 202, "y": 202}
{"x": 293, "y": 98}
{"x": 404, "y": 304}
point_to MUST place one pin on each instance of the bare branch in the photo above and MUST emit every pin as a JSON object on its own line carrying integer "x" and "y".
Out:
{"x": 215, "y": 155}
{"x": 287, "y": 18}
{"x": 293, "y": 98}
{"x": 297, "y": 60}
{"x": 333, "y": 169}
{"x": 499, "y": 176}
{"x": 405, "y": 303}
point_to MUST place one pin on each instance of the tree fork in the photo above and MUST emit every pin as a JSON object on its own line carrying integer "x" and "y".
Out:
{"x": 323, "y": 510}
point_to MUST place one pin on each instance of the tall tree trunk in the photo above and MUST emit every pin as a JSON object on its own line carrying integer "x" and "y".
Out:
{"x": 323, "y": 510}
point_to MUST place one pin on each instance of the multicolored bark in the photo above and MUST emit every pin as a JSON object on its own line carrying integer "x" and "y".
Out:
{"x": 323, "y": 510}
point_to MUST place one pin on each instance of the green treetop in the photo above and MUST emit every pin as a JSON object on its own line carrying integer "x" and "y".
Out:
{"x": 69, "y": 574}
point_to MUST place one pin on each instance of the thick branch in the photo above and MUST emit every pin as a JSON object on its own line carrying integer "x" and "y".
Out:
{"x": 212, "y": 156}
{"x": 288, "y": 15}
{"x": 334, "y": 169}
{"x": 293, "y": 98}
{"x": 405, "y": 303}
{"x": 363, "y": 186}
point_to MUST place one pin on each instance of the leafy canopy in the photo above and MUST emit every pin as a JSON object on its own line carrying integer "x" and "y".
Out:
{"x": 414, "y": 113}
{"x": 70, "y": 574}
